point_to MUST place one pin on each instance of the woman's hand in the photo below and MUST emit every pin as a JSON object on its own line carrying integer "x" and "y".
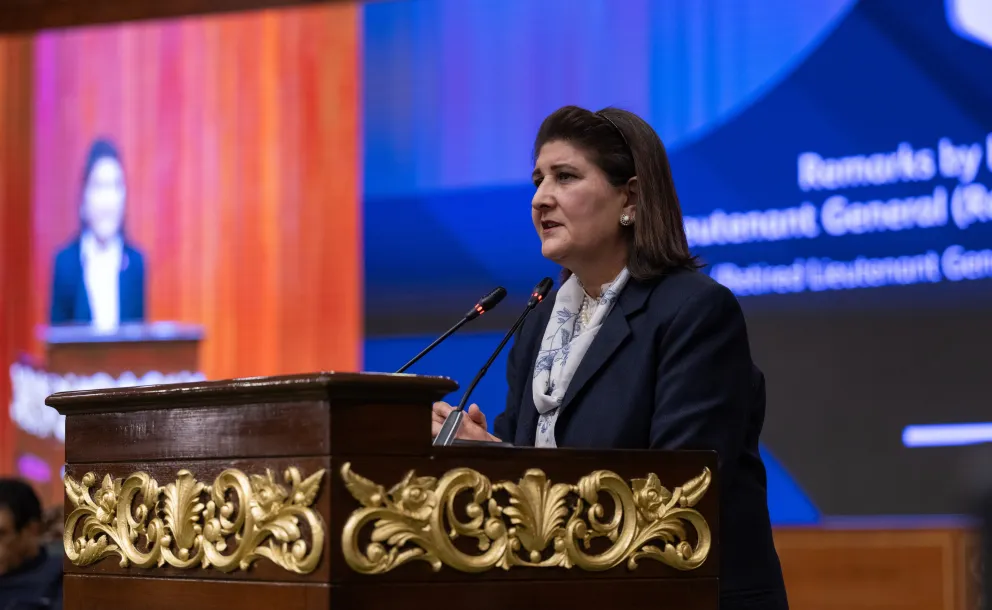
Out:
{"x": 473, "y": 426}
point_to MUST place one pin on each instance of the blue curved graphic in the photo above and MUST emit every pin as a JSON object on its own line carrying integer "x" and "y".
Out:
{"x": 788, "y": 504}
{"x": 791, "y": 62}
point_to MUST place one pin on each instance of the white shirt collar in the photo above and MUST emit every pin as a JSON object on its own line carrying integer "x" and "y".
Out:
{"x": 102, "y": 266}
{"x": 90, "y": 248}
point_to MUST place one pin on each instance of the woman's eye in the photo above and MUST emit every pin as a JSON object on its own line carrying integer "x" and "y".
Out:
{"x": 565, "y": 176}
{"x": 537, "y": 181}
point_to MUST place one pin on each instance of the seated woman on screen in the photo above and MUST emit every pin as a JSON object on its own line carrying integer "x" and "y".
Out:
{"x": 637, "y": 349}
{"x": 99, "y": 277}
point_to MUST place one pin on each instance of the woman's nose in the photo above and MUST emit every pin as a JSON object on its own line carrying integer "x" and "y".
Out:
{"x": 542, "y": 199}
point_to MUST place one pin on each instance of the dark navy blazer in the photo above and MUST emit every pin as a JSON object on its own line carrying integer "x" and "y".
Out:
{"x": 70, "y": 301}
{"x": 671, "y": 368}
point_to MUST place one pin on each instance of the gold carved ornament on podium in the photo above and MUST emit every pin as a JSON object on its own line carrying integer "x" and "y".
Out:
{"x": 529, "y": 523}
{"x": 227, "y": 524}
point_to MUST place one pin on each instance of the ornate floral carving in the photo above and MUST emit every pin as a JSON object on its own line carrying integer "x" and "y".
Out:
{"x": 226, "y": 525}
{"x": 532, "y": 522}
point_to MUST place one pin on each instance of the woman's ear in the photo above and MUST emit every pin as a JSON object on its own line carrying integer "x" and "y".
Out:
{"x": 633, "y": 193}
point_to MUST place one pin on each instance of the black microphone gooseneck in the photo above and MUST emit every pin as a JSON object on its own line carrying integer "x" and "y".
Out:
{"x": 485, "y": 304}
{"x": 453, "y": 422}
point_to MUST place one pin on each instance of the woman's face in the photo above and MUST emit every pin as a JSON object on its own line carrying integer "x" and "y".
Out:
{"x": 576, "y": 211}
{"x": 103, "y": 198}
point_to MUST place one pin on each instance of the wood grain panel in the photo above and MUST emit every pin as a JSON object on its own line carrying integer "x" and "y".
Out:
{"x": 354, "y": 413}
{"x": 262, "y": 430}
{"x": 694, "y": 594}
{"x": 881, "y": 566}
{"x": 349, "y": 388}
{"x": 89, "y": 592}
{"x": 136, "y": 357}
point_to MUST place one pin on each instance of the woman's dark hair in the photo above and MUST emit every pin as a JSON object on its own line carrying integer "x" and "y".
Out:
{"x": 18, "y": 497}
{"x": 101, "y": 148}
{"x": 623, "y": 145}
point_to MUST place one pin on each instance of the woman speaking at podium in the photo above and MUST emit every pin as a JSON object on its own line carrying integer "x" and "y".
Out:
{"x": 637, "y": 349}
{"x": 99, "y": 278}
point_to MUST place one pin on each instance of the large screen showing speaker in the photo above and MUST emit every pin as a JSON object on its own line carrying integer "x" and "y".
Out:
{"x": 172, "y": 213}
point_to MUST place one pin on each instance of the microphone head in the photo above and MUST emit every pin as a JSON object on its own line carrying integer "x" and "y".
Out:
{"x": 493, "y": 298}
{"x": 540, "y": 291}
{"x": 487, "y": 302}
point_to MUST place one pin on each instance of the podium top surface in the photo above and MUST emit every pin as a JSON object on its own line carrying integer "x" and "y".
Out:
{"x": 125, "y": 333}
{"x": 352, "y": 387}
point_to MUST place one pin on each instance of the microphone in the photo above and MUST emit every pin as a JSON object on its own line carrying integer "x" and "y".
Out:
{"x": 485, "y": 304}
{"x": 454, "y": 420}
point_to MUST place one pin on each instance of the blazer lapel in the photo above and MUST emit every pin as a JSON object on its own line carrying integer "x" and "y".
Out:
{"x": 526, "y": 434}
{"x": 128, "y": 283}
{"x": 527, "y": 423}
{"x": 615, "y": 329}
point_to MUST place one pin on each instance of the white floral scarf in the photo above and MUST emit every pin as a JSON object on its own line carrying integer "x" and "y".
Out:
{"x": 564, "y": 345}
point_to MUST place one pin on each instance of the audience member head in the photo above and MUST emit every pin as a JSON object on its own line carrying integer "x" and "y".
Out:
{"x": 20, "y": 524}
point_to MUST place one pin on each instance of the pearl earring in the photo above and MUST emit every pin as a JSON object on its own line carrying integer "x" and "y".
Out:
{"x": 626, "y": 220}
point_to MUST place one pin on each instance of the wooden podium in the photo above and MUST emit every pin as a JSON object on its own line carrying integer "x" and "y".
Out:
{"x": 323, "y": 491}
{"x": 163, "y": 347}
